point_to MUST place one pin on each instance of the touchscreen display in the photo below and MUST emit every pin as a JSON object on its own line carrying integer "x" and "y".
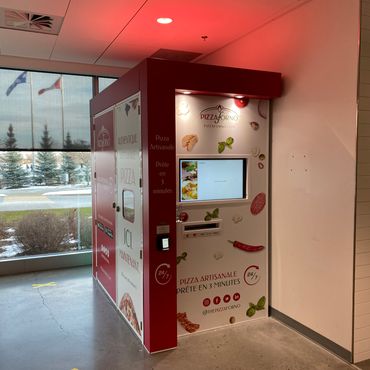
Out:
{"x": 212, "y": 179}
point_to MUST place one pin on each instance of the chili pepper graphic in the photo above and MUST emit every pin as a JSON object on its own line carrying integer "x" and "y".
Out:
{"x": 246, "y": 247}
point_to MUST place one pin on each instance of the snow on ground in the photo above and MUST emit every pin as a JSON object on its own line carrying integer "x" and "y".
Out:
{"x": 70, "y": 192}
{"x": 10, "y": 248}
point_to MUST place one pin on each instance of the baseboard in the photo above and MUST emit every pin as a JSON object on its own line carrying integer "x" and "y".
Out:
{"x": 45, "y": 262}
{"x": 311, "y": 334}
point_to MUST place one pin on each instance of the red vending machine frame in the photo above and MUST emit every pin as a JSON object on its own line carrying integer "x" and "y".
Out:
{"x": 157, "y": 82}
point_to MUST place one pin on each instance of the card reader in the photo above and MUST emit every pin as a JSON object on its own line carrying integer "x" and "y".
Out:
{"x": 163, "y": 237}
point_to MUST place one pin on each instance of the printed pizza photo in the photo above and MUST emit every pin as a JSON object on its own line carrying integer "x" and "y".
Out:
{"x": 127, "y": 308}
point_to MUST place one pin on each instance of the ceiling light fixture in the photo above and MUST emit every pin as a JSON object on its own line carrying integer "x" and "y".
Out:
{"x": 186, "y": 92}
{"x": 164, "y": 20}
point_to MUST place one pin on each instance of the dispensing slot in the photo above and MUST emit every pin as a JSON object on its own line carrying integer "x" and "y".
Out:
{"x": 201, "y": 228}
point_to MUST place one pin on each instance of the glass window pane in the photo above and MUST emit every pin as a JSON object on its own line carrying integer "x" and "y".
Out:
{"x": 77, "y": 93}
{"x": 43, "y": 211}
{"x": 47, "y": 109}
{"x": 128, "y": 202}
{"x": 37, "y": 102}
{"x": 15, "y": 107}
{"x": 104, "y": 82}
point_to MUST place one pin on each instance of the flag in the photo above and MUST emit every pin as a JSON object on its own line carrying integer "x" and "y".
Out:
{"x": 56, "y": 85}
{"x": 19, "y": 80}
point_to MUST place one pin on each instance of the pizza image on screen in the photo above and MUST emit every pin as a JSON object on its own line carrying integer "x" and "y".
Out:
{"x": 189, "y": 180}
{"x": 127, "y": 308}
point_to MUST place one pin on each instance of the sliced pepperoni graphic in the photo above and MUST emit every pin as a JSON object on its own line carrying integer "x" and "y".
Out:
{"x": 258, "y": 203}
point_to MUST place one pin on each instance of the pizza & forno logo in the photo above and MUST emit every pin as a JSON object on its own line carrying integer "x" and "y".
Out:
{"x": 103, "y": 140}
{"x": 218, "y": 114}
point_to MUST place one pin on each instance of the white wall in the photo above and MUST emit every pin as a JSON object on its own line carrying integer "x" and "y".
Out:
{"x": 313, "y": 159}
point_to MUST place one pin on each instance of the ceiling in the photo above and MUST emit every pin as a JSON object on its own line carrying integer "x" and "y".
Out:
{"x": 120, "y": 33}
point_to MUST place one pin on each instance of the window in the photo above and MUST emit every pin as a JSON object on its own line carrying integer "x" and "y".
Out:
{"x": 128, "y": 205}
{"x": 104, "y": 82}
{"x": 45, "y": 203}
{"x": 34, "y": 101}
{"x": 45, "y": 163}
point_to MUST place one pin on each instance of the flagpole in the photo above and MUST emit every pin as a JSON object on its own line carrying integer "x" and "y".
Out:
{"x": 32, "y": 128}
{"x": 62, "y": 100}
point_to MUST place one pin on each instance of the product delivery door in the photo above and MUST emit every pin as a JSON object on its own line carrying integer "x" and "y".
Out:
{"x": 129, "y": 229}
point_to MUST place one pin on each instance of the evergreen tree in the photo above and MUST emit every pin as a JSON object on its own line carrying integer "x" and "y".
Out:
{"x": 46, "y": 140}
{"x": 14, "y": 176}
{"x": 86, "y": 170}
{"x": 46, "y": 170}
{"x": 68, "y": 165}
{"x": 68, "y": 168}
{"x": 83, "y": 170}
{"x": 11, "y": 140}
{"x": 68, "y": 144}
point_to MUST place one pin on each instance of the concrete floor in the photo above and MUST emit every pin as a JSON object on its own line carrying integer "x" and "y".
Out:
{"x": 73, "y": 326}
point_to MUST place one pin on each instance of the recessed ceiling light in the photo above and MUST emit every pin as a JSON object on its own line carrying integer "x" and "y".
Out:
{"x": 164, "y": 20}
{"x": 239, "y": 96}
{"x": 186, "y": 92}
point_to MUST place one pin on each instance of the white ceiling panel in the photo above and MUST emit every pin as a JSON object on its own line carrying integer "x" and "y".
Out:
{"x": 30, "y": 44}
{"x": 48, "y": 7}
{"x": 90, "y": 26}
{"x": 222, "y": 21}
{"x": 120, "y": 33}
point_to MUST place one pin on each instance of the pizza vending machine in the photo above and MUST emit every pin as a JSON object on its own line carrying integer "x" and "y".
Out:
{"x": 180, "y": 197}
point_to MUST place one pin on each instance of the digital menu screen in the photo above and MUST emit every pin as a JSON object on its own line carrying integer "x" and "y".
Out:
{"x": 212, "y": 179}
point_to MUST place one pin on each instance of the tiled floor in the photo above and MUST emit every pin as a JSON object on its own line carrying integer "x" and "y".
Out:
{"x": 71, "y": 325}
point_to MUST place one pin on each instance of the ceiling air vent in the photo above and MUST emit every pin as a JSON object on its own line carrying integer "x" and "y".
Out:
{"x": 175, "y": 55}
{"x": 27, "y": 21}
